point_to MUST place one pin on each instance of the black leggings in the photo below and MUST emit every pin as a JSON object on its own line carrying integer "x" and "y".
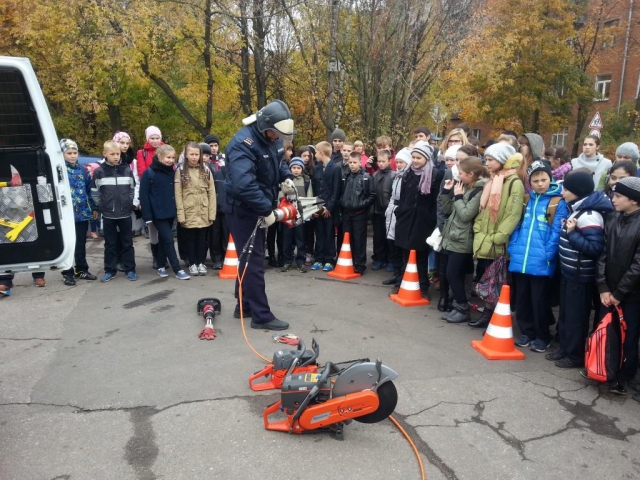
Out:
{"x": 457, "y": 267}
{"x": 196, "y": 240}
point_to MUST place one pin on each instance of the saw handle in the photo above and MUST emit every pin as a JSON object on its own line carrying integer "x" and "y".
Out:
{"x": 316, "y": 353}
{"x": 312, "y": 393}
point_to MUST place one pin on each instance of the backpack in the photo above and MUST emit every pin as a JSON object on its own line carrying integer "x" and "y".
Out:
{"x": 604, "y": 353}
{"x": 551, "y": 207}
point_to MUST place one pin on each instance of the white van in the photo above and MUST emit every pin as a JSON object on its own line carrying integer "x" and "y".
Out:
{"x": 37, "y": 231}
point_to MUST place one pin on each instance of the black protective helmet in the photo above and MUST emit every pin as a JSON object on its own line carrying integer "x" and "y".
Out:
{"x": 205, "y": 148}
{"x": 274, "y": 116}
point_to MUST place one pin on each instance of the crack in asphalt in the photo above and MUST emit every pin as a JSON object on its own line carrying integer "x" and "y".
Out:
{"x": 424, "y": 448}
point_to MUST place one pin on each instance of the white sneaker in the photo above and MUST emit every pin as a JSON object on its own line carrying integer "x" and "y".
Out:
{"x": 202, "y": 270}
{"x": 193, "y": 269}
{"x": 163, "y": 272}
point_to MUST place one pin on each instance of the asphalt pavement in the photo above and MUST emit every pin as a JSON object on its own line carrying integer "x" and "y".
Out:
{"x": 110, "y": 381}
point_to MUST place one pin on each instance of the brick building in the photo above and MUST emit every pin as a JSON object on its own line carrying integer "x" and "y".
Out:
{"x": 616, "y": 74}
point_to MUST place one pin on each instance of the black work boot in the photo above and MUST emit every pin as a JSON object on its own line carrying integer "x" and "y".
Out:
{"x": 443, "y": 302}
{"x": 484, "y": 319}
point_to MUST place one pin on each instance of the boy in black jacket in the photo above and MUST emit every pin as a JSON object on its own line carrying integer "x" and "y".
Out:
{"x": 112, "y": 190}
{"x": 618, "y": 276}
{"x": 328, "y": 184}
{"x": 382, "y": 181}
{"x": 356, "y": 198}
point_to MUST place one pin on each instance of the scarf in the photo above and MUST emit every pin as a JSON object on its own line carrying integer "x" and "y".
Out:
{"x": 492, "y": 193}
{"x": 157, "y": 166}
{"x": 425, "y": 177}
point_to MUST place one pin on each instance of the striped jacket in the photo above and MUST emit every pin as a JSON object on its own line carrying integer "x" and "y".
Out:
{"x": 112, "y": 190}
{"x": 580, "y": 249}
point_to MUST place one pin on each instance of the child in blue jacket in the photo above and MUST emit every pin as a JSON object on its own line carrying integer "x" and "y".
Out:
{"x": 533, "y": 248}
{"x": 84, "y": 210}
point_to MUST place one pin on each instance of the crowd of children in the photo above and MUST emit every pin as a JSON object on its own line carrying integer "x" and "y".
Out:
{"x": 568, "y": 228}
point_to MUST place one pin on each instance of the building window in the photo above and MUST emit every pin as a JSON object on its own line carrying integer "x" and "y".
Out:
{"x": 609, "y": 34}
{"x": 476, "y": 133}
{"x": 603, "y": 87}
{"x": 559, "y": 139}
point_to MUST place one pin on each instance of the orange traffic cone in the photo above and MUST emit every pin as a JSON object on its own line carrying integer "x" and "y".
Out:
{"x": 344, "y": 266}
{"x": 230, "y": 266}
{"x": 409, "y": 294}
{"x": 497, "y": 343}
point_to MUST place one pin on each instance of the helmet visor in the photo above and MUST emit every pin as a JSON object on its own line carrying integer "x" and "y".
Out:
{"x": 284, "y": 129}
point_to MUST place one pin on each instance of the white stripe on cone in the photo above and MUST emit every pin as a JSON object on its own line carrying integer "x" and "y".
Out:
{"x": 231, "y": 246}
{"x": 230, "y": 261}
{"x": 411, "y": 267}
{"x": 410, "y": 285}
{"x": 499, "y": 332}
{"x": 345, "y": 262}
{"x": 503, "y": 309}
{"x": 346, "y": 247}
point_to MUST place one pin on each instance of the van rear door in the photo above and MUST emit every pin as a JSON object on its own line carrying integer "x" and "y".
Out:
{"x": 37, "y": 230}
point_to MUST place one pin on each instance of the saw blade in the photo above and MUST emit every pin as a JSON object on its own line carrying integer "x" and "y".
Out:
{"x": 388, "y": 398}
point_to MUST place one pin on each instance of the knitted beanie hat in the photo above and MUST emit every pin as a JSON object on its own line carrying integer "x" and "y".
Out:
{"x": 423, "y": 148}
{"x": 151, "y": 131}
{"x": 629, "y": 149}
{"x": 579, "y": 183}
{"x": 120, "y": 135}
{"x": 451, "y": 151}
{"x": 67, "y": 143}
{"x": 338, "y": 135}
{"x": 211, "y": 139}
{"x": 296, "y": 161}
{"x": 404, "y": 155}
{"x": 629, "y": 187}
{"x": 500, "y": 152}
{"x": 539, "y": 166}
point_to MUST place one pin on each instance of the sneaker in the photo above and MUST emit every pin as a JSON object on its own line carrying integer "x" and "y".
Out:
{"x": 286, "y": 267}
{"x": 390, "y": 281}
{"x": 246, "y": 312}
{"x": 274, "y": 324}
{"x": 85, "y": 276}
{"x": 120, "y": 267}
{"x": 40, "y": 282}
{"x": 132, "y": 276}
{"x": 217, "y": 265}
{"x": 618, "y": 389}
{"x": 327, "y": 267}
{"x": 359, "y": 269}
{"x": 389, "y": 267}
{"x": 316, "y": 266}
{"x": 308, "y": 259}
{"x": 193, "y": 270}
{"x": 539, "y": 346}
{"x": 302, "y": 268}
{"x": 69, "y": 281}
{"x": 107, "y": 277}
{"x": 4, "y": 291}
{"x": 377, "y": 265}
{"x": 568, "y": 363}
{"x": 182, "y": 275}
{"x": 163, "y": 272}
{"x": 523, "y": 341}
{"x": 202, "y": 270}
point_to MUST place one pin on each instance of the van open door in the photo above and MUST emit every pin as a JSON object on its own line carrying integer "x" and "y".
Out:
{"x": 37, "y": 230}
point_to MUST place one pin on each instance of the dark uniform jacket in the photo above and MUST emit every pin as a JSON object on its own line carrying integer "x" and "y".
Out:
{"x": 357, "y": 194}
{"x": 382, "y": 181}
{"x": 329, "y": 182}
{"x": 112, "y": 190}
{"x": 619, "y": 264}
{"x": 255, "y": 168}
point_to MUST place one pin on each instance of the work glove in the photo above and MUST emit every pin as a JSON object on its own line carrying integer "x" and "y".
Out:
{"x": 268, "y": 220}
{"x": 288, "y": 187}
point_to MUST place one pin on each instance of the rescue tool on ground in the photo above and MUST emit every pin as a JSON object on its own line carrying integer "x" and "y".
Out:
{"x": 286, "y": 362}
{"x": 331, "y": 399}
{"x": 208, "y": 308}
